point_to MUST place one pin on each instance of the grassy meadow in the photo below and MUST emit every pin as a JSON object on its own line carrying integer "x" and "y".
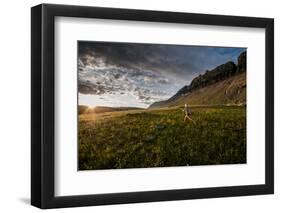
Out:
{"x": 160, "y": 138}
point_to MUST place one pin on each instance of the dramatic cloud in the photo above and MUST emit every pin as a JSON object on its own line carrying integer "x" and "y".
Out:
{"x": 147, "y": 72}
{"x": 145, "y": 86}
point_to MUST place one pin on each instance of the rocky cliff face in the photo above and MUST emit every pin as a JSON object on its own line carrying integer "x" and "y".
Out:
{"x": 242, "y": 62}
{"x": 210, "y": 77}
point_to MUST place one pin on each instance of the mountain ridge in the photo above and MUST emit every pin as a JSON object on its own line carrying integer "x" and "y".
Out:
{"x": 83, "y": 109}
{"x": 222, "y": 75}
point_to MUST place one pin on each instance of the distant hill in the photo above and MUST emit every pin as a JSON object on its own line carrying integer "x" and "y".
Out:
{"x": 101, "y": 109}
{"x": 225, "y": 84}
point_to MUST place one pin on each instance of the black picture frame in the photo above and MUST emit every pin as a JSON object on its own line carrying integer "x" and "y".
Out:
{"x": 43, "y": 111}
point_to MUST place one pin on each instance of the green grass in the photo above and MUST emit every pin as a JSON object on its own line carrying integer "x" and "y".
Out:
{"x": 160, "y": 138}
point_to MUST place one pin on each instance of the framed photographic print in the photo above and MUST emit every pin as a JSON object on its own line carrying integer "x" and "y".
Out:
{"x": 140, "y": 106}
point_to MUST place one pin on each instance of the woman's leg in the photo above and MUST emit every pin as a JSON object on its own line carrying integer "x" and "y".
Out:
{"x": 189, "y": 118}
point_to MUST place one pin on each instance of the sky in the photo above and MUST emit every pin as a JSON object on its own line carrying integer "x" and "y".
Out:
{"x": 137, "y": 75}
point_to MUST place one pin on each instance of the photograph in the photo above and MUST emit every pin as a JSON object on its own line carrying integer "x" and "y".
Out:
{"x": 139, "y": 105}
{"x": 160, "y": 105}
